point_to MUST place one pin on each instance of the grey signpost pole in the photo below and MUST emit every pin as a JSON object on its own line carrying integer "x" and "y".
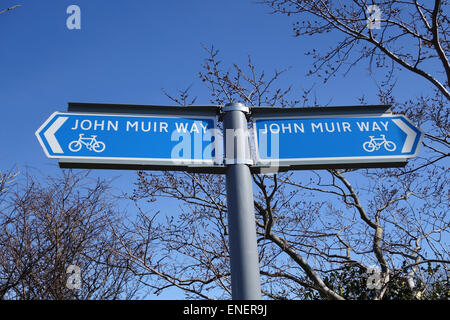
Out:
{"x": 245, "y": 277}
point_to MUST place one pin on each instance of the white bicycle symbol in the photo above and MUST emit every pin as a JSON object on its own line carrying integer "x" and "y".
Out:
{"x": 376, "y": 143}
{"x": 91, "y": 144}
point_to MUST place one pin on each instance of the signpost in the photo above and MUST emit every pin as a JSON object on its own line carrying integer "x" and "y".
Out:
{"x": 245, "y": 281}
{"x": 334, "y": 140}
{"x": 187, "y": 138}
{"x": 112, "y": 140}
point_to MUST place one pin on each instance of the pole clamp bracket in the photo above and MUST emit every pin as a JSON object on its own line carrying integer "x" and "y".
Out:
{"x": 236, "y": 107}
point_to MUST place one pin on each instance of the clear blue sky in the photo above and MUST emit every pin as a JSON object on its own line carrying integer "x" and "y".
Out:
{"x": 127, "y": 51}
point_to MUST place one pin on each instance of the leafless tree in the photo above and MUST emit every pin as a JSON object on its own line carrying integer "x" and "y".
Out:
{"x": 313, "y": 224}
{"x": 411, "y": 34}
{"x": 309, "y": 224}
{"x": 10, "y": 8}
{"x": 48, "y": 225}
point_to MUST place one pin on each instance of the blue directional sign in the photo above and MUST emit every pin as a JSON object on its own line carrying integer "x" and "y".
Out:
{"x": 169, "y": 140}
{"x": 297, "y": 140}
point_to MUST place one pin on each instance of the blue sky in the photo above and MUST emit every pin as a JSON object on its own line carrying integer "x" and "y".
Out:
{"x": 127, "y": 51}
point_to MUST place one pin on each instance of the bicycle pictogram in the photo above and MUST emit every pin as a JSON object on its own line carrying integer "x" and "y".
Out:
{"x": 90, "y": 143}
{"x": 376, "y": 143}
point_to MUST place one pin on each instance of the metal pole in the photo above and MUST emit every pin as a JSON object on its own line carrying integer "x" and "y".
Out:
{"x": 245, "y": 277}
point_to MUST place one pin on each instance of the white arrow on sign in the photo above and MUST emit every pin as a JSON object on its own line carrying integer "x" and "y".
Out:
{"x": 49, "y": 134}
{"x": 410, "y": 135}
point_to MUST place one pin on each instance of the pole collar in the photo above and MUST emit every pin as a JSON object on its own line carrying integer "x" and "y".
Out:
{"x": 236, "y": 106}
